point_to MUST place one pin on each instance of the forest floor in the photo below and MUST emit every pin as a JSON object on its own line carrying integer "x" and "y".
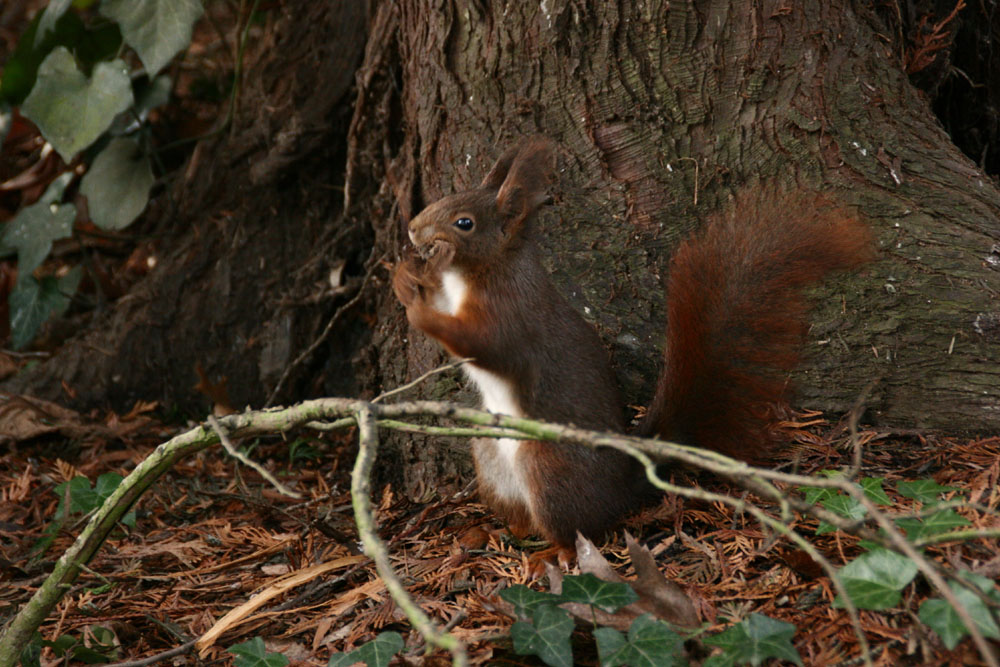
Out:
{"x": 212, "y": 535}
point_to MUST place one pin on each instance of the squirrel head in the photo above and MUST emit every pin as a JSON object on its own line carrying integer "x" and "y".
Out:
{"x": 481, "y": 224}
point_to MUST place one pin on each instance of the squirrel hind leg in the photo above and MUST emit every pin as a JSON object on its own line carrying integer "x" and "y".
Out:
{"x": 537, "y": 564}
{"x": 574, "y": 488}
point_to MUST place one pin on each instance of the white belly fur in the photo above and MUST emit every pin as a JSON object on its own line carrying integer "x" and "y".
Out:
{"x": 497, "y": 396}
{"x": 453, "y": 291}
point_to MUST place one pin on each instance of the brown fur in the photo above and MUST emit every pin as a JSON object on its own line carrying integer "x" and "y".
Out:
{"x": 737, "y": 318}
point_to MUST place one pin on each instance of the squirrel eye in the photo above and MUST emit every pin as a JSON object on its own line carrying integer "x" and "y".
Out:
{"x": 465, "y": 224}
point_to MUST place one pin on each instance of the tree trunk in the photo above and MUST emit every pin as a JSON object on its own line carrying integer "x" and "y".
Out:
{"x": 255, "y": 229}
{"x": 662, "y": 110}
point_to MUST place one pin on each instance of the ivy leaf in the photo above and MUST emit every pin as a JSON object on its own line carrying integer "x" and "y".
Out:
{"x": 926, "y": 491}
{"x": 937, "y": 523}
{"x": 72, "y": 111}
{"x": 526, "y": 601}
{"x": 838, "y": 503}
{"x": 254, "y": 654}
{"x": 35, "y": 227}
{"x": 52, "y": 13}
{"x": 106, "y": 485}
{"x": 117, "y": 184}
{"x": 156, "y": 29}
{"x": 82, "y": 498}
{"x": 874, "y": 580}
{"x": 61, "y": 645}
{"x": 89, "y": 44}
{"x": 825, "y": 527}
{"x": 376, "y": 653}
{"x": 755, "y": 639}
{"x": 32, "y": 302}
{"x": 102, "y": 648}
{"x": 845, "y": 506}
{"x": 654, "y": 642}
{"x": 612, "y": 647}
{"x": 944, "y": 521}
{"x": 942, "y": 618}
{"x": 872, "y": 487}
{"x": 588, "y": 589}
{"x": 547, "y": 636}
{"x": 651, "y": 643}
{"x": 31, "y": 654}
{"x": 815, "y": 494}
{"x": 21, "y": 67}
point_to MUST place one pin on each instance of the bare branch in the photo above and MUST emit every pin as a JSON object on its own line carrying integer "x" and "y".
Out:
{"x": 242, "y": 458}
{"x": 343, "y": 412}
{"x": 376, "y": 549}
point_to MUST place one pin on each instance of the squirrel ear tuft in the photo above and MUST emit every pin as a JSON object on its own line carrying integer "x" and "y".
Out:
{"x": 498, "y": 172}
{"x": 528, "y": 170}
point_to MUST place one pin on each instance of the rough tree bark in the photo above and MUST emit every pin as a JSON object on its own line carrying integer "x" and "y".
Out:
{"x": 254, "y": 229}
{"x": 662, "y": 111}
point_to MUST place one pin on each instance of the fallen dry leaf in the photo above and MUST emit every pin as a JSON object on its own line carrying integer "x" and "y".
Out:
{"x": 280, "y": 586}
{"x": 657, "y": 595}
{"x": 8, "y": 366}
{"x": 25, "y": 417}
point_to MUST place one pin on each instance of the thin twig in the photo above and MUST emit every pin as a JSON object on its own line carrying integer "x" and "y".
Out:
{"x": 238, "y": 70}
{"x": 234, "y": 94}
{"x": 242, "y": 458}
{"x": 410, "y": 385}
{"x": 958, "y": 536}
{"x": 740, "y": 505}
{"x": 852, "y": 424}
{"x": 159, "y": 657}
{"x": 375, "y": 548}
{"x": 477, "y": 432}
{"x": 380, "y": 43}
{"x": 408, "y": 427}
{"x": 18, "y": 631}
{"x": 326, "y": 332}
{"x": 695, "y": 200}
{"x": 904, "y": 546}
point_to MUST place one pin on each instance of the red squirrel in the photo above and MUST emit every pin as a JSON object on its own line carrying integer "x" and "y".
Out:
{"x": 736, "y": 322}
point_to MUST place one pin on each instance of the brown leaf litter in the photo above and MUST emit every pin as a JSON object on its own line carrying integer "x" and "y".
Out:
{"x": 217, "y": 556}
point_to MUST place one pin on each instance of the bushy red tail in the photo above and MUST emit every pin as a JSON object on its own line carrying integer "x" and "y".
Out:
{"x": 737, "y": 317}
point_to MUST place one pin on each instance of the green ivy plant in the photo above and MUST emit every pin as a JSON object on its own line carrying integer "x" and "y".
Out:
{"x": 376, "y": 653}
{"x": 254, "y": 654}
{"x": 753, "y": 641}
{"x": 545, "y": 629}
{"x": 77, "y": 497}
{"x": 68, "y": 78}
{"x": 875, "y": 579}
{"x": 102, "y": 647}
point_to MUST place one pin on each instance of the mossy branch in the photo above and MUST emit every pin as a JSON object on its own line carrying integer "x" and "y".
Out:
{"x": 376, "y": 549}
{"x": 342, "y": 412}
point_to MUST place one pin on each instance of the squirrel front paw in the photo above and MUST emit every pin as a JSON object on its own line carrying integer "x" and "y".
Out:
{"x": 406, "y": 283}
{"x": 441, "y": 255}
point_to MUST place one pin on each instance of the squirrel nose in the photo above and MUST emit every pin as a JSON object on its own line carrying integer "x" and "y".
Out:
{"x": 421, "y": 234}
